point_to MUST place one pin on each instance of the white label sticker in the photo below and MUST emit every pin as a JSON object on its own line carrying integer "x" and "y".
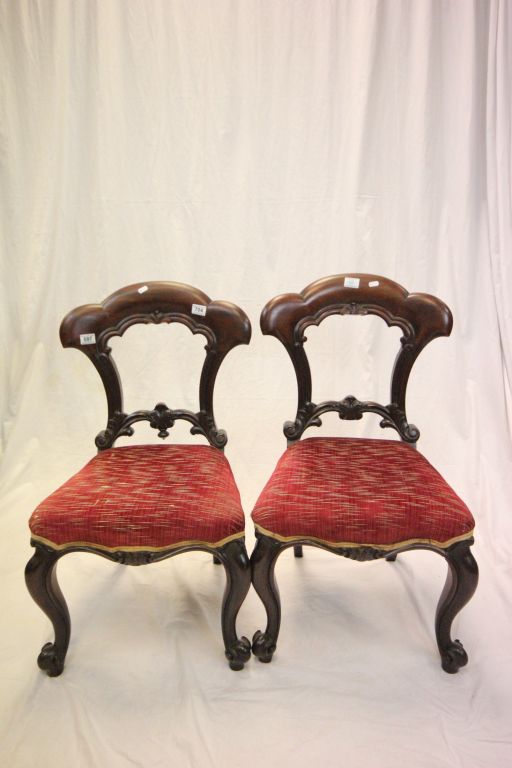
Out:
{"x": 87, "y": 338}
{"x": 198, "y": 309}
{"x": 373, "y": 283}
{"x": 351, "y": 282}
{"x": 142, "y": 289}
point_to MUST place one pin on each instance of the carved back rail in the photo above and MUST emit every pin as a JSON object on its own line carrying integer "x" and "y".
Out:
{"x": 89, "y": 328}
{"x": 420, "y": 316}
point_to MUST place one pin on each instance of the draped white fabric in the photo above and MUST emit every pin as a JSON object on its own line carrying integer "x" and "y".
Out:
{"x": 249, "y": 148}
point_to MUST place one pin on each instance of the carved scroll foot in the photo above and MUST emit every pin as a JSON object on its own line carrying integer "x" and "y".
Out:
{"x": 263, "y": 562}
{"x": 239, "y": 654}
{"x": 461, "y": 582}
{"x": 454, "y": 657}
{"x": 263, "y": 646}
{"x": 41, "y": 580}
{"x": 238, "y": 575}
{"x": 50, "y": 660}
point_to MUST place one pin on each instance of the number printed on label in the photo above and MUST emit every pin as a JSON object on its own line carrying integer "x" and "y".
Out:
{"x": 351, "y": 282}
{"x": 87, "y": 338}
{"x": 198, "y": 309}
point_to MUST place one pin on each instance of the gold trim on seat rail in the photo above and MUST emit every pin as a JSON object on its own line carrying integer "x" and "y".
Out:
{"x": 359, "y": 544}
{"x": 191, "y": 543}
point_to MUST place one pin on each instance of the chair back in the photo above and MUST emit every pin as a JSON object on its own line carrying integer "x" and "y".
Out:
{"x": 88, "y": 328}
{"x": 420, "y": 316}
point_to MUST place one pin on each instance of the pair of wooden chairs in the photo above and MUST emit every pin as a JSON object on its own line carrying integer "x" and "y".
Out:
{"x": 359, "y": 498}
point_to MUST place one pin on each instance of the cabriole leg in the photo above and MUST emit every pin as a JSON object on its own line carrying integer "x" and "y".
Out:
{"x": 461, "y": 582}
{"x": 41, "y": 580}
{"x": 263, "y": 562}
{"x": 238, "y": 575}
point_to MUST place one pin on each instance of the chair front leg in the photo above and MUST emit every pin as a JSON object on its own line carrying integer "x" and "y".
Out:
{"x": 41, "y": 580}
{"x": 263, "y": 561}
{"x": 461, "y": 582}
{"x": 238, "y": 580}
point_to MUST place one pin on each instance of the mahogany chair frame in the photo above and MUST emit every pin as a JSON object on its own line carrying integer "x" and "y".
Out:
{"x": 422, "y": 318}
{"x": 89, "y": 328}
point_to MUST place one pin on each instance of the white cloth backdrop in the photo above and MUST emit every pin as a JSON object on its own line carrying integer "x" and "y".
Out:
{"x": 249, "y": 148}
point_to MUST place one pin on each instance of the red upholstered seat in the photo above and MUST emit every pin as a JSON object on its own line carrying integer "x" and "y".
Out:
{"x": 358, "y": 491}
{"x": 144, "y": 497}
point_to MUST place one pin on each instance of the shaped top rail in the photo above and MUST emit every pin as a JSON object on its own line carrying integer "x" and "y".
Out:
{"x": 421, "y": 314}
{"x": 224, "y": 324}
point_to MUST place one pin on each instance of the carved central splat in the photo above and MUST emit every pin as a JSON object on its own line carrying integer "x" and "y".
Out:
{"x": 350, "y": 408}
{"x": 161, "y": 418}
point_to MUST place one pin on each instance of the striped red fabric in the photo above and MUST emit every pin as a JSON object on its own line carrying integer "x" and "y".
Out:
{"x": 144, "y": 496}
{"x": 360, "y": 491}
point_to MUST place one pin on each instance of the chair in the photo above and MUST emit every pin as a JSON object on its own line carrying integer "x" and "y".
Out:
{"x": 144, "y": 503}
{"x": 360, "y": 498}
